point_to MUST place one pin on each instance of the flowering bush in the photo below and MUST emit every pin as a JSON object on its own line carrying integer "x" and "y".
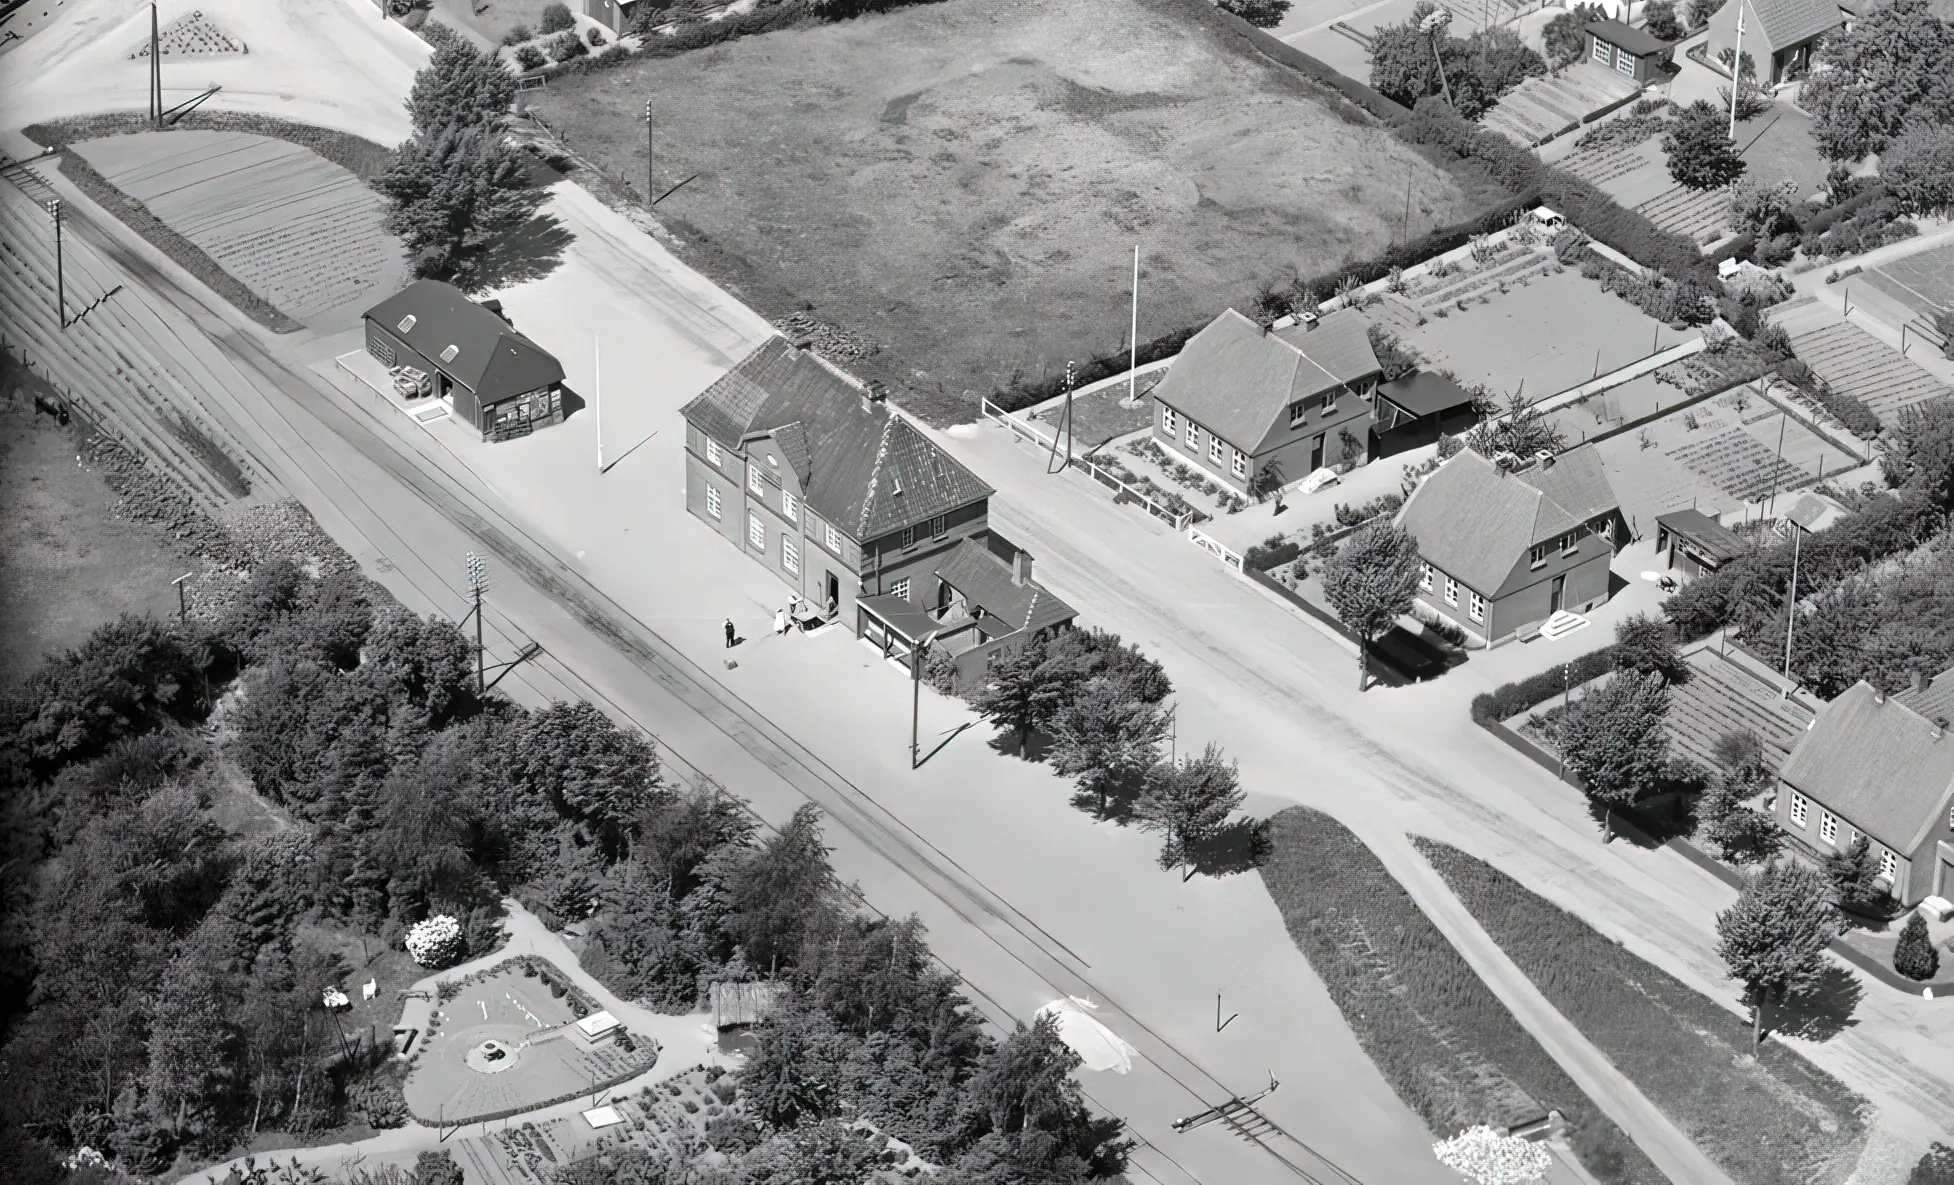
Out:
{"x": 1482, "y": 1155}
{"x": 435, "y": 942}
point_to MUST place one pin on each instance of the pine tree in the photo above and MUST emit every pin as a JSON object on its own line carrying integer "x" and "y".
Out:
{"x": 460, "y": 87}
{"x": 1189, "y": 802}
{"x": 1854, "y": 873}
{"x": 1914, "y": 955}
{"x": 1009, "y": 699}
{"x": 1699, "y": 149}
{"x": 453, "y": 191}
{"x": 1774, "y": 937}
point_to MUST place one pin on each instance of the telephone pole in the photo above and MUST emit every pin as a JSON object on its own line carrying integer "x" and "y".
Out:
{"x": 155, "y": 68}
{"x": 651, "y": 184}
{"x": 1737, "y": 72}
{"x": 60, "y": 280}
{"x": 477, "y": 585}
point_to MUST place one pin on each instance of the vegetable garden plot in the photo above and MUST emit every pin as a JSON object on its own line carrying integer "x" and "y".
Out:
{"x": 1859, "y": 364}
{"x": 1736, "y": 463}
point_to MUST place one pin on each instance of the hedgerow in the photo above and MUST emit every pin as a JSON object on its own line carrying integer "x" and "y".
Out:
{"x": 1509, "y": 700}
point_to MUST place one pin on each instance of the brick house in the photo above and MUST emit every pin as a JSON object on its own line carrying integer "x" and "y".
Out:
{"x": 1506, "y": 548}
{"x": 490, "y": 376}
{"x": 1242, "y": 398}
{"x": 1779, "y": 35}
{"x": 813, "y": 476}
{"x": 1874, "y": 766}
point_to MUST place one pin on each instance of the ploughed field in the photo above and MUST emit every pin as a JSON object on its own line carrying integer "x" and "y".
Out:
{"x": 964, "y": 183}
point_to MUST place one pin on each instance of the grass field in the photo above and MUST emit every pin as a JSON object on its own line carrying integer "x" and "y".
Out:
{"x": 70, "y": 565}
{"x": 1441, "y": 1038}
{"x": 1767, "y": 1116}
{"x": 964, "y": 182}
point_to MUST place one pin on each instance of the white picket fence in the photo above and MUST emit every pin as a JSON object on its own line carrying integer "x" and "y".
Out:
{"x": 1179, "y": 520}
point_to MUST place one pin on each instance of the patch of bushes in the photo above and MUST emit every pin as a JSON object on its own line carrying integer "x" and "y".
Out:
{"x": 557, "y": 18}
{"x": 565, "y": 47}
{"x": 1272, "y": 552}
{"x": 531, "y": 57}
{"x": 1509, "y": 700}
{"x": 1439, "y": 1036}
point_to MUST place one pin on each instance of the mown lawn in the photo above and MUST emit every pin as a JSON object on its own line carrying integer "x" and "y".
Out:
{"x": 1441, "y": 1038}
{"x": 1766, "y": 1117}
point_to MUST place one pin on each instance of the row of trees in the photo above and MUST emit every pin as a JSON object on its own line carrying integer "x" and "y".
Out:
{"x": 1098, "y": 706}
{"x": 1420, "y": 57}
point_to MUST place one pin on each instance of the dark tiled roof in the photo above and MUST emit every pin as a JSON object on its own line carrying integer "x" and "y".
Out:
{"x": 986, "y": 581}
{"x": 1935, "y": 700}
{"x": 1718, "y": 541}
{"x": 1785, "y": 23}
{"x": 1425, "y": 393}
{"x": 1474, "y": 521}
{"x": 1878, "y": 764}
{"x": 862, "y": 467}
{"x": 491, "y": 358}
{"x": 1639, "y": 42}
{"x": 1238, "y": 381}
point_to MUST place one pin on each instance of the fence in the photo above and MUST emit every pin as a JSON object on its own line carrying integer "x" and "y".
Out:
{"x": 1216, "y": 548}
{"x": 1126, "y": 491}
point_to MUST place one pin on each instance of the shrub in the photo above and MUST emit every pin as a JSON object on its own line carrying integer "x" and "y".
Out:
{"x": 530, "y": 57}
{"x": 1272, "y": 552}
{"x": 557, "y": 18}
{"x": 1511, "y": 699}
{"x": 517, "y": 34}
{"x": 1914, "y": 955}
{"x": 567, "y": 47}
{"x": 596, "y": 37}
{"x": 435, "y": 941}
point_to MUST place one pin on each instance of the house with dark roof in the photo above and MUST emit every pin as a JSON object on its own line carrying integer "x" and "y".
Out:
{"x": 1695, "y": 542}
{"x": 1779, "y": 35}
{"x": 490, "y": 376}
{"x": 1414, "y": 409}
{"x": 1506, "y": 547}
{"x": 1243, "y": 399}
{"x": 1628, "y": 51}
{"x": 1873, "y": 766}
{"x": 853, "y": 508}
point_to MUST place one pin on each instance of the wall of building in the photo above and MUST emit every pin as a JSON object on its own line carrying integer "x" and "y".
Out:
{"x": 1914, "y": 877}
{"x": 1290, "y": 446}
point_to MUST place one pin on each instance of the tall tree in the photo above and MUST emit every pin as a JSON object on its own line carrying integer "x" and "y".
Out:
{"x": 454, "y": 191}
{"x": 1868, "y": 83}
{"x": 1613, "y": 738}
{"x": 1774, "y": 938}
{"x": 1660, "y": 19}
{"x": 1726, "y": 818}
{"x": 196, "y": 1051}
{"x": 1647, "y": 645}
{"x": 460, "y": 87}
{"x": 575, "y": 758}
{"x": 1514, "y": 425}
{"x": 1024, "y": 1099}
{"x": 1700, "y": 153}
{"x": 1263, "y": 14}
{"x": 781, "y": 891}
{"x": 1369, "y": 582}
{"x": 1854, "y": 873}
{"x": 1107, "y": 738}
{"x": 1189, "y": 802}
{"x": 1919, "y": 454}
{"x": 1914, "y": 955}
{"x": 1918, "y": 168}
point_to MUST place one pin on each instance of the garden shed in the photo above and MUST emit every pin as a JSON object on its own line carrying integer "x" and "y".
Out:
{"x": 1696, "y": 543}
{"x": 743, "y": 1005}
{"x": 1628, "y": 51}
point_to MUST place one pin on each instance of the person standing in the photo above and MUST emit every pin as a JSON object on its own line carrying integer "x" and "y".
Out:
{"x": 732, "y": 635}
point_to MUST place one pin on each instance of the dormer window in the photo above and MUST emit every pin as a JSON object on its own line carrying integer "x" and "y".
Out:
{"x": 898, "y": 485}
{"x": 1329, "y": 402}
{"x": 1297, "y": 413}
{"x": 448, "y": 355}
{"x": 406, "y": 323}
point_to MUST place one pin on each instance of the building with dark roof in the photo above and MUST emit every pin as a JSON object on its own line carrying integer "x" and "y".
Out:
{"x": 1505, "y": 547}
{"x": 1412, "y": 410}
{"x": 1242, "y": 399}
{"x": 810, "y": 472}
{"x": 1779, "y": 35}
{"x": 489, "y": 375}
{"x": 1871, "y": 766}
{"x": 1628, "y": 51}
{"x": 1695, "y": 542}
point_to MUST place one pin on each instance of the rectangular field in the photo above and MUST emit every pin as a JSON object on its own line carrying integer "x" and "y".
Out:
{"x": 1923, "y": 282}
{"x": 964, "y": 183}
{"x": 1851, "y": 360}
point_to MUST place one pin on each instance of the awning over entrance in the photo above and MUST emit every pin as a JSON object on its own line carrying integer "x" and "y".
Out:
{"x": 894, "y": 623}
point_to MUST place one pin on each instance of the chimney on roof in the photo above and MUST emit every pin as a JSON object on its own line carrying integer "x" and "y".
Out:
{"x": 1919, "y": 680}
{"x": 1021, "y": 568}
{"x": 873, "y": 392}
{"x": 1879, "y": 697}
{"x": 1545, "y": 458}
{"x": 1940, "y": 726}
{"x": 800, "y": 341}
{"x": 1309, "y": 321}
{"x": 495, "y": 306}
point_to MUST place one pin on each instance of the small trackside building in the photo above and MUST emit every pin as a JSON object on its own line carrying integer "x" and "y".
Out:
{"x": 848, "y": 504}
{"x": 492, "y": 377}
{"x": 1243, "y": 400}
{"x": 1873, "y": 766}
{"x": 1505, "y": 548}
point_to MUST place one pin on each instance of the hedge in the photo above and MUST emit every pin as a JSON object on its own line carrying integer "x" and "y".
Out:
{"x": 1509, "y": 700}
{"x": 1436, "y": 125}
{"x": 1887, "y": 527}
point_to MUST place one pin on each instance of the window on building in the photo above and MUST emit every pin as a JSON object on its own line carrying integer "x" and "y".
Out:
{"x": 1799, "y": 805}
{"x": 1329, "y": 402}
{"x": 1214, "y": 448}
{"x": 1625, "y": 64}
{"x": 834, "y": 540}
{"x": 1239, "y": 467}
{"x": 1298, "y": 412}
{"x": 1538, "y": 555}
{"x": 1602, "y": 51}
{"x": 1193, "y": 435}
{"x": 449, "y": 353}
{"x": 900, "y": 588}
{"x": 1451, "y": 591}
{"x": 1425, "y": 577}
{"x": 936, "y": 526}
{"x": 1828, "y": 827}
{"x": 1169, "y": 422}
{"x": 1570, "y": 541}
{"x": 713, "y": 455}
{"x": 712, "y": 501}
{"x": 756, "y": 531}
{"x": 406, "y": 323}
{"x": 1475, "y": 606}
{"x": 1889, "y": 865}
{"x": 790, "y": 554}
{"x": 754, "y": 481}
{"x": 790, "y": 506}
{"x": 909, "y": 536}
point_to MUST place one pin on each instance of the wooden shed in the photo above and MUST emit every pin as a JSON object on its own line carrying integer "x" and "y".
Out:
{"x": 742, "y": 1005}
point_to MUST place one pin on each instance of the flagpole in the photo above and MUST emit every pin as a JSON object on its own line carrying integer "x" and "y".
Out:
{"x": 1737, "y": 71}
{"x": 597, "y": 397}
{"x": 1133, "y": 338}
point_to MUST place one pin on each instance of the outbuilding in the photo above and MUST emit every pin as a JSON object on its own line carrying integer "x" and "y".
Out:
{"x": 1695, "y": 542}
{"x": 1628, "y": 51}
{"x": 490, "y": 376}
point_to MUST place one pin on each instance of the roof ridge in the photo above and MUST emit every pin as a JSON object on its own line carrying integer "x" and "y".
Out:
{"x": 875, "y": 476}
{"x": 1031, "y": 607}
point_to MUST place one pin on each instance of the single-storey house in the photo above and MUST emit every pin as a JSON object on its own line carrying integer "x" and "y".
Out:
{"x": 1873, "y": 766}
{"x": 810, "y": 472}
{"x": 490, "y": 376}
{"x": 1507, "y": 547}
{"x": 1414, "y": 409}
{"x": 1628, "y": 51}
{"x": 1695, "y": 542}
{"x": 1243, "y": 399}
{"x": 983, "y": 600}
{"x": 1779, "y": 35}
